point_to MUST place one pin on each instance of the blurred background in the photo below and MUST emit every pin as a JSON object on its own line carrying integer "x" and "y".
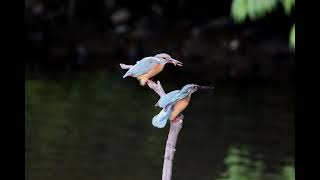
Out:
{"x": 83, "y": 121}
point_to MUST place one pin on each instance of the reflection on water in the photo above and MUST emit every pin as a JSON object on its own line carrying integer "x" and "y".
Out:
{"x": 98, "y": 126}
{"x": 242, "y": 166}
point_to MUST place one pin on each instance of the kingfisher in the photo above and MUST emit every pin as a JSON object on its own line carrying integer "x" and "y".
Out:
{"x": 173, "y": 103}
{"x": 148, "y": 67}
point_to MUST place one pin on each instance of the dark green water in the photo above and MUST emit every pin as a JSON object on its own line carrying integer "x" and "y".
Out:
{"x": 97, "y": 126}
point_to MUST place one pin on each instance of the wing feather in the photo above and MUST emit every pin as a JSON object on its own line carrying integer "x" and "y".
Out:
{"x": 168, "y": 99}
{"x": 142, "y": 67}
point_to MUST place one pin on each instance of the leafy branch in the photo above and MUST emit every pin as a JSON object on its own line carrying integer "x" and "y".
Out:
{"x": 255, "y": 9}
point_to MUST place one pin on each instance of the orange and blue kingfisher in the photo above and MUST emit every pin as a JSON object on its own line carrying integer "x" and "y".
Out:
{"x": 173, "y": 103}
{"x": 148, "y": 67}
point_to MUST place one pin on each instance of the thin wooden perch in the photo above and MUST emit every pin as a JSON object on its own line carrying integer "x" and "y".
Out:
{"x": 125, "y": 66}
{"x": 156, "y": 87}
{"x": 175, "y": 128}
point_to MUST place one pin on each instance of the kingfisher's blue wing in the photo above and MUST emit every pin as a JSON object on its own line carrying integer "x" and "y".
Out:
{"x": 142, "y": 67}
{"x": 169, "y": 98}
{"x": 160, "y": 120}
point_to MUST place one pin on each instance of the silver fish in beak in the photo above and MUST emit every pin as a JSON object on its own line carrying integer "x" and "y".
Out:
{"x": 175, "y": 62}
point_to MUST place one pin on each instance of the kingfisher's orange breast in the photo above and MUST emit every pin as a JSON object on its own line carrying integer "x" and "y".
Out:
{"x": 154, "y": 71}
{"x": 179, "y": 107}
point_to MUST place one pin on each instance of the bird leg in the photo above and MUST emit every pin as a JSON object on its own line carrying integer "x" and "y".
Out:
{"x": 178, "y": 118}
{"x": 143, "y": 82}
{"x": 174, "y": 120}
{"x": 125, "y": 66}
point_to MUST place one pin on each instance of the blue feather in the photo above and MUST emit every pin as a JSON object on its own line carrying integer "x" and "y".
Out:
{"x": 168, "y": 98}
{"x": 142, "y": 67}
{"x": 171, "y": 98}
{"x": 167, "y": 102}
{"x": 160, "y": 120}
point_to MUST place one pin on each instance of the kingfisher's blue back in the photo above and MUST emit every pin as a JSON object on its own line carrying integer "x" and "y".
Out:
{"x": 142, "y": 67}
{"x": 168, "y": 98}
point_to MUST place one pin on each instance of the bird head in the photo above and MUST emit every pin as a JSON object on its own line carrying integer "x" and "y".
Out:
{"x": 166, "y": 58}
{"x": 191, "y": 88}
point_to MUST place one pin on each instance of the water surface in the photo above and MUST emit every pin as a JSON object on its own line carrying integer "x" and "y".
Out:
{"x": 98, "y": 126}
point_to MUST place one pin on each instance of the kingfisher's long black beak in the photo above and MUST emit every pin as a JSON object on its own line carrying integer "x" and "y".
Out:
{"x": 205, "y": 87}
{"x": 176, "y": 62}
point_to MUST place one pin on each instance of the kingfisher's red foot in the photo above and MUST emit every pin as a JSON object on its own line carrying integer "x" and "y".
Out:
{"x": 176, "y": 119}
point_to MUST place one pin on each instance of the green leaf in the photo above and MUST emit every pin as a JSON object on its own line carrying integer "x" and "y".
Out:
{"x": 288, "y": 172}
{"x": 288, "y": 5}
{"x": 292, "y": 37}
{"x": 254, "y": 9}
{"x": 239, "y": 10}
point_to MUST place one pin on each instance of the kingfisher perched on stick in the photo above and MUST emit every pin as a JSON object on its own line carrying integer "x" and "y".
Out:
{"x": 173, "y": 103}
{"x": 148, "y": 67}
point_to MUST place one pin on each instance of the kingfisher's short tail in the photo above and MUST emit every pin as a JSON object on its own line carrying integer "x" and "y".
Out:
{"x": 160, "y": 120}
{"x": 124, "y": 66}
{"x": 127, "y": 74}
{"x": 124, "y": 76}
